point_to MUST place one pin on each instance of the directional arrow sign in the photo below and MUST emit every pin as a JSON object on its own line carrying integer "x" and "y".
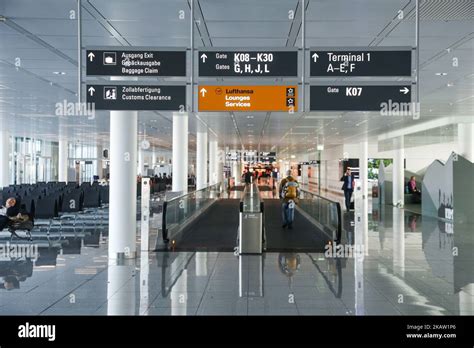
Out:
{"x": 248, "y": 98}
{"x": 405, "y": 90}
{"x": 362, "y": 61}
{"x": 137, "y": 97}
{"x": 360, "y": 98}
{"x": 248, "y": 63}
{"x": 136, "y": 63}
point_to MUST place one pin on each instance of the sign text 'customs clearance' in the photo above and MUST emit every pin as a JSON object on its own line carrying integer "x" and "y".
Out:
{"x": 137, "y": 97}
{"x": 248, "y": 98}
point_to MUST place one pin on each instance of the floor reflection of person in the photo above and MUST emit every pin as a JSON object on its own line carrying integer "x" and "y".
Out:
{"x": 412, "y": 222}
{"x": 15, "y": 271}
{"x": 10, "y": 283}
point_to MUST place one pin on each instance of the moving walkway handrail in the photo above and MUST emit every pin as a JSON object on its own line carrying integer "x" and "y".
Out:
{"x": 178, "y": 198}
{"x": 338, "y": 210}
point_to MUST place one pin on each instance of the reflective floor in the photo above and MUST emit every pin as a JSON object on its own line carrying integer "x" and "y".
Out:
{"x": 413, "y": 266}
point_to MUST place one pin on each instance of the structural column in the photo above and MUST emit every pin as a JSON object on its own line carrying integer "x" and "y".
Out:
{"x": 466, "y": 140}
{"x": 398, "y": 176}
{"x": 236, "y": 172}
{"x": 62, "y": 160}
{"x": 201, "y": 157}
{"x": 123, "y": 184}
{"x": 180, "y": 152}
{"x": 213, "y": 165}
{"x": 4, "y": 158}
{"x": 364, "y": 182}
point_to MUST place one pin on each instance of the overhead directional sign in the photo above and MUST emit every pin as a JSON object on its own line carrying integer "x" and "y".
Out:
{"x": 360, "y": 62}
{"x": 360, "y": 98}
{"x": 135, "y": 63}
{"x": 248, "y": 98}
{"x": 137, "y": 97}
{"x": 248, "y": 63}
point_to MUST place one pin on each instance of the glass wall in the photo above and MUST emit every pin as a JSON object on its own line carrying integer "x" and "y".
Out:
{"x": 33, "y": 160}
{"x": 85, "y": 161}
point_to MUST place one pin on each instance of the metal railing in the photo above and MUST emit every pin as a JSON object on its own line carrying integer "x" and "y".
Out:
{"x": 326, "y": 212}
{"x": 179, "y": 211}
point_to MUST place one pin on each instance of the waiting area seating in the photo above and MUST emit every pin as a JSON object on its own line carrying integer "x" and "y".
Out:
{"x": 57, "y": 206}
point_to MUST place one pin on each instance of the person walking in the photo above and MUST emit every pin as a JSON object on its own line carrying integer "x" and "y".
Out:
{"x": 348, "y": 187}
{"x": 289, "y": 195}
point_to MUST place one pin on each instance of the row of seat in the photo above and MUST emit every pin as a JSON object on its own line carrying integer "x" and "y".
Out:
{"x": 47, "y": 200}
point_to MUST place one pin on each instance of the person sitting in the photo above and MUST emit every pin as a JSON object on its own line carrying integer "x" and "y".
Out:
{"x": 414, "y": 190}
{"x": 10, "y": 210}
{"x": 412, "y": 186}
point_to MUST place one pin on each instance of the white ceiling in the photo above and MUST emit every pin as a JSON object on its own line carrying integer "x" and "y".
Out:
{"x": 43, "y": 36}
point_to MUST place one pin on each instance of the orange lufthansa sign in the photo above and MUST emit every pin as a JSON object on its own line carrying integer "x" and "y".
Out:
{"x": 248, "y": 98}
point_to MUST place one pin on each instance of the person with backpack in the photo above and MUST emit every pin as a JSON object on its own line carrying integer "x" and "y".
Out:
{"x": 289, "y": 190}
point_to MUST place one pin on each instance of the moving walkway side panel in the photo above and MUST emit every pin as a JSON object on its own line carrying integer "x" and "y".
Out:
{"x": 251, "y": 221}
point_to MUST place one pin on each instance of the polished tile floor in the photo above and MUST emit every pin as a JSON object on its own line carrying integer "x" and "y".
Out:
{"x": 409, "y": 268}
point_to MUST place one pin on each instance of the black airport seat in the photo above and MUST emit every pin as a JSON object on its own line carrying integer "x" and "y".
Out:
{"x": 91, "y": 198}
{"x": 46, "y": 208}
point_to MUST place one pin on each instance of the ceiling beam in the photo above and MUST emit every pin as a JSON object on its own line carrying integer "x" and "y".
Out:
{"x": 36, "y": 39}
{"x": 99, "y": 17}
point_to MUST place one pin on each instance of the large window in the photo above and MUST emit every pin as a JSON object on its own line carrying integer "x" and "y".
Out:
{"x": 34, "y": 160}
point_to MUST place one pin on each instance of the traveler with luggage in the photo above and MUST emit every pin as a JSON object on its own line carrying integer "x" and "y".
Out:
{"x": 289, "y": 191}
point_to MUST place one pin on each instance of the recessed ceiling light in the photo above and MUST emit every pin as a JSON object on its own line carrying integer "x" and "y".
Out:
{"x": 59, "y": 73}
{"x": 450, "y": 84}
{"x": 249, "y": 116}
{"x": 441, "y": 74}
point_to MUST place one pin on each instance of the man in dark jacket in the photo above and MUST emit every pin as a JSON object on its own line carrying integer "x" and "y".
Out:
{"x": 11, "y": 210}
{"x": 348, "y": 187}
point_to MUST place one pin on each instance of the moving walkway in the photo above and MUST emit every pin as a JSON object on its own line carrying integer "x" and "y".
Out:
{"x": 205, "y": 221}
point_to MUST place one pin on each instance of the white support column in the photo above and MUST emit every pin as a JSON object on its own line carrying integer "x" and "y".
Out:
{"x": 220, "y": 165}
{"x": 4, "y": 158}
{"x": 100, "y": 150}
{"x": 141, "y": 160}
{"x": 364, "y": 181}
{"x": 201, "y": 157}
{"x": 123, "y": 184}
{"x": 180, "y": 152}
{"x": 236, "y": 172}
{"x": 466, "y": 140}
{"x": 213, "y": 161}
{"x": 62, "y": 160}
{"x": 153, "y": 160}
{"x": 398, "y": 178}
